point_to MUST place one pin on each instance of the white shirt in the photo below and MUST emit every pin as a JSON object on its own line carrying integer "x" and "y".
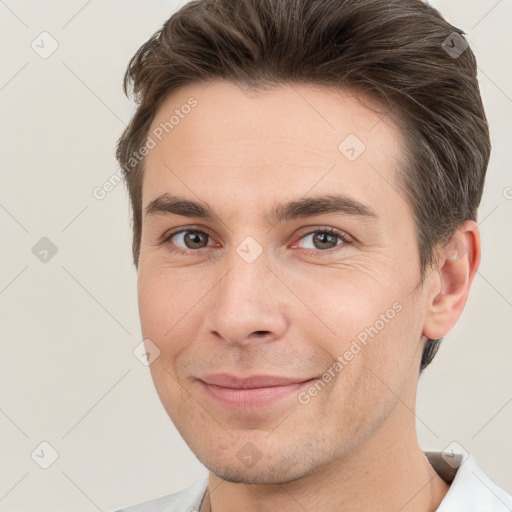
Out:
{"x": 470, "y": 490}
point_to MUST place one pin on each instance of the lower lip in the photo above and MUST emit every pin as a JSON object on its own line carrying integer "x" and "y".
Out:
{"x": 250, "y": 398}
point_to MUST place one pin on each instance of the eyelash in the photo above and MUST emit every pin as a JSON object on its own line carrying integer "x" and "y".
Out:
{"x": 189, "y": 252}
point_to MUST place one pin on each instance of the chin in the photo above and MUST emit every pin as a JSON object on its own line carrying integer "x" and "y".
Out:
{"x": 260, "y": 477}
{"x": 262, "y": 473}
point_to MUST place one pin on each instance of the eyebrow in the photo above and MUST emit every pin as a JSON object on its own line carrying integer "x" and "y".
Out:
{"x": 167, "y": 204}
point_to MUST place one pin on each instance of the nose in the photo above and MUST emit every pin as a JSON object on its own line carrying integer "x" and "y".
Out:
{"x": 250, "y": 303}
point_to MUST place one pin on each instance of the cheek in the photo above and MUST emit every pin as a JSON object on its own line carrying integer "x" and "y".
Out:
{"x": 170, "y": 309}
{"x": 163, "y": 311}
{"x": 165, "y": 299}
{"x": 390, "y": 342}
{"x": 346, "y": 301}
{"x": 370, "y": 323}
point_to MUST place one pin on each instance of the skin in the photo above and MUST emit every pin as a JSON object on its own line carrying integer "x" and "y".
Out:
{"x": 291, "y": 312}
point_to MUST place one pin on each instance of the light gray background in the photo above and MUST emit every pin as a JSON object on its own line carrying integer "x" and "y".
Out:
{"x": 69, "y": 326}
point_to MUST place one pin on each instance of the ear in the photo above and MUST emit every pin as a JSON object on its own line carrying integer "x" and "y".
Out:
{"x": 450, "y": 281}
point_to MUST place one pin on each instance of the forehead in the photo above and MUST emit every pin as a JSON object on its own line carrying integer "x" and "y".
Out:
{"x": 217, "y": 139}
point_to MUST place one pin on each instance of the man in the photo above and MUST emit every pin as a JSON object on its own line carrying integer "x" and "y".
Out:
{"x": 304, "y": 177}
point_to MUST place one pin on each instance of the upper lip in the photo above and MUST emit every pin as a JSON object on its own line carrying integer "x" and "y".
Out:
{"x": 254, "y": 381}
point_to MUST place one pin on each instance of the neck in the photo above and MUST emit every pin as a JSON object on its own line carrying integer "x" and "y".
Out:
{"x": 386, "y": 473}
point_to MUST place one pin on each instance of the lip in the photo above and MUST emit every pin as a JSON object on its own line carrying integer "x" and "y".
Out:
{"x": 250, "y": 392}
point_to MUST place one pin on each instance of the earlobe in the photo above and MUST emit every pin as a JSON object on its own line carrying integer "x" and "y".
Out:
{"x": 451, "y": 281}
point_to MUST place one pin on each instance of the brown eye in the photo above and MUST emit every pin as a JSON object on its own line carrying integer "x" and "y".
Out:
{"x": 189, "y": 239}
{"x": 324, "y": 239}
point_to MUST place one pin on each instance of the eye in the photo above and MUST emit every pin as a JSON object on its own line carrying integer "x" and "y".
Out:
{"x": 322, "y": 240}
{"x": 186, "y": 240}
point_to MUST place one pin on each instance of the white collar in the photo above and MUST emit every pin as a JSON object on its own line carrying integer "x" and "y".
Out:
{"x": 470, "y": 489}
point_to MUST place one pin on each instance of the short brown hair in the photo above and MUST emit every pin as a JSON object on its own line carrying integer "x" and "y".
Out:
{"x": 401, "y": 52}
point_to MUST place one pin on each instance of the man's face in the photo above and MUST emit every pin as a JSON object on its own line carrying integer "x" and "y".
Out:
{"x": 265, "y": 292}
